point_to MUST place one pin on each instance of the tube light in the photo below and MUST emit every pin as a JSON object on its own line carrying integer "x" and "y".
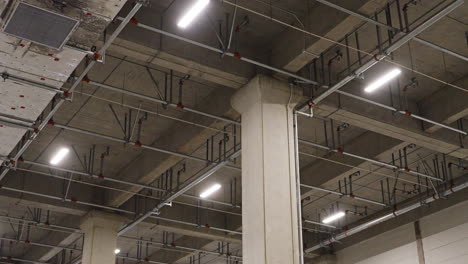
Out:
{"x": 59, "y": 155}
{"x": 382, "y": 80}
{"x": 210, "y": 190}
{"x": 117, "y": 251}
{"x": 333, "y": 217}
{"x": 192, "y": 13}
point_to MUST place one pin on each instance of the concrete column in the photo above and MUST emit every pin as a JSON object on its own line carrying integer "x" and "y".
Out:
{"x": 100, "y": 237}
{"x": 270, "y": 232}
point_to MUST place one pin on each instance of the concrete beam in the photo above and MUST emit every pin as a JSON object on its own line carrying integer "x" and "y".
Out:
{"x": 382, "y": 121}
{"x": 156, "y": 57}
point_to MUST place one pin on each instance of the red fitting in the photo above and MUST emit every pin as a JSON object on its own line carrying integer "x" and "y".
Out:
{"x": 340, "y": 150}
{"x": 173, "y": 245}
{"x": 66, "y": 94}
{"x": 22, "y": 96}
{"x": 51, "y": 122}
{"x": 407, "y": 170}
{"x": 56, "y": 59}
{"x": 351, "y": 195}
{"x": 133, "y": 21}
{"x": 23, "y": 107}
{"x": 50, "y": 54}
{"x": 408, "y": 113}
{"x": 85, "y": 79}
{"x": 138, "y": 143}
{"x": 101, "y": 176}
{"x": 180, "y": 106}
{"x": 237, "y": 55}
{"x": 22, "y": 45}
{"x": 36, "y": 130}
{"x": 13, "y": 108}
{"x": 97, "y": 56}
{"x": 21, "y": 159}
{"x": 73, "y": 200}
{"x": 89, "y": 14}
{"x": 42, "y": 79}
{"x": 12, "y": 162}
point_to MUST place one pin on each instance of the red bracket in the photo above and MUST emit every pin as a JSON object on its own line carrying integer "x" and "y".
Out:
{"x": 237, "y": 55}
{"x": 85, "y": 79}
{"x": 408, "y": 113}
{"x": 138, "y": 143}
{"x": 180, "y": 106}
{"x": 133, "y": 21}
{"x": 51, "y": 122}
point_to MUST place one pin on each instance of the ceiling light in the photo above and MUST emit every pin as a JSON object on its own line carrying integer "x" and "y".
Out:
{"x": 382, "y": 80}
{"x": 59, "y": 155}
{"x": 117, "y": 251}
{"x": 192, "y": 13}
{"x": 210, "y": 190}
{"x": 333, "y": 217}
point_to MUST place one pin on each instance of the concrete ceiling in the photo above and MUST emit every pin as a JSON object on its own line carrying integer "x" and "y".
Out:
{"x": 141, "y": 61}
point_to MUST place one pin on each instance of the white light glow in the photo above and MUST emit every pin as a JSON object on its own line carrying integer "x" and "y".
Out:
{"x": 59, "y": 155}
{"x": 333, "y": 217}
{"x": 382, "y": 80}
{"x": 192, "y": 13}
{"x": 117, "y": 251}
{"x": 210, "y": 190}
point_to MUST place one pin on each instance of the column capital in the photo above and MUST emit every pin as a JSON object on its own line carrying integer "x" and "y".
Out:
{"x": 267, "y": 90}
{"x": 102, "y": 219}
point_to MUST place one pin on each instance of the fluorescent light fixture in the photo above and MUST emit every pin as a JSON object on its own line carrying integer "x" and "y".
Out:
{"x": 210, "y": 190}
{"x": 192, "y": 13}
{"x": 382, "y": 80}
{"x": 59, "y": 155}
{"x": 333, "y": 217}
{"x": 117, "y": 251}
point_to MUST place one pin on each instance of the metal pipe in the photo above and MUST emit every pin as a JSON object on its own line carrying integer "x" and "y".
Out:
{"x": 320, "y": 224}
{"x": 8, "y": 76}
{"x": 393, "y": 109}
{"x": 62, "y": 100}
{"x": 159, "y": 101}
{"x": 384, "y": 218}
{"x": 387, "y": 52}
{"x": 230, "y": 54}
{"x": 90, "y": 175}
{"x": 365, "y": 18}
{"x": 298, "y": 182}
{"x": 74, "y": 201}
{"x": 437, "y": 47}
{"x": 69, "y": 229}
{"x": 169, "y": 200}
{"x": 21, "y": 260}
{"x": 181, "y": 155}
{"x": 344, "y": 195}
{"x": 27, "y": 242}
{"x": 391, "y": 166}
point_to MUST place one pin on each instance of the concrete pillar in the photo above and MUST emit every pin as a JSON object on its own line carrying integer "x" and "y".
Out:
{"x": 270, "y": 232}
{"x": 100, "y": 237}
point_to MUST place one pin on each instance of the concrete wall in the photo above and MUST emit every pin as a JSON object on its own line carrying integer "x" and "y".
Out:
{"x": 444, "y": 238}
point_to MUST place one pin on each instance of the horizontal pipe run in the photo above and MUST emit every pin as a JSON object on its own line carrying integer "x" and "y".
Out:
{"x": 344, "y": 195}
{"x": 27, "y": 242}
{"x": 8, "y": 76}
{"x": 7, "y": 258}
{"x": 230, "y": 54}
{"x": 320, "y": 224}
{"x": 162, "y": 102}
{"x": 181, "y": 155}
{"x": 384, "y": 164}
{"x": 67, "y": 228}
{"x": 73, "y": 201}
{"x": 139, "y": 185}
{"x": 395, "y": 213}
{"x": 175, "y": 246}
{"x": 393, "y": 109}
